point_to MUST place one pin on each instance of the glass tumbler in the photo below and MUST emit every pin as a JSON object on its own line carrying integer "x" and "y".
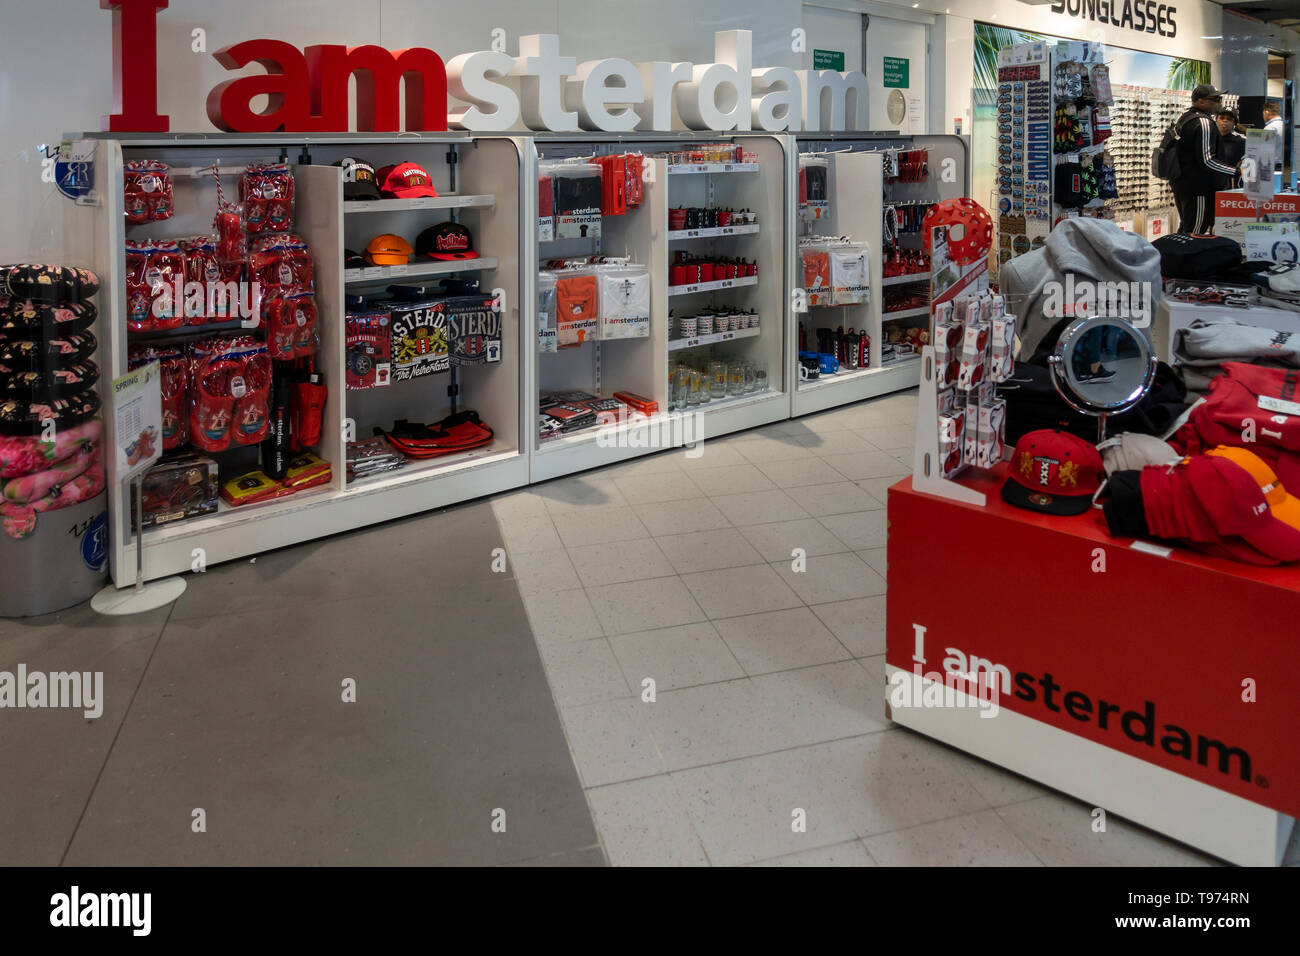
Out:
{"x": 736, "y": 378}
{"x": 760, "y": 379}
{"x": 717, "y": 379}
{"x": 750, "y": 376}
{"x": 699, "y": 392}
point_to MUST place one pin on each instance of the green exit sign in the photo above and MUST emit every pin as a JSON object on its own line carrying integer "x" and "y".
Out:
{"x": 895, "y": 72}
{"x": 828, "y": 60}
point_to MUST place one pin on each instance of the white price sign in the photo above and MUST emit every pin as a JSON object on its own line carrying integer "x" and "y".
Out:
{"x": 137, "y": 420}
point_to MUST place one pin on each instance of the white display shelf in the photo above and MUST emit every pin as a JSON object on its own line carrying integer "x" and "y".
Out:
{"x": 712, "y": 339}
{"x": 843, "y": 387}
{"x": 904, "y": 280}
{"x": 421, "y": 202}
{"x": 905, "y": 313}
{"x": 415, "y": 270}
{"x": 683, "y": 168}
{"x": 229, "y": 516}
{"x": 712, "y": 286}
{"x": 417, "y": 471}
{"x": 712, "y": 232}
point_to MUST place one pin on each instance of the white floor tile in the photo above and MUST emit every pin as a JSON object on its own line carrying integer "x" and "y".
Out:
{"x": 598, "y": 526}
{"x": 675, "y": 657}
{"x": 583, "y": 672}
{"x": 832, "y": 577}
{"x": 859, "y": 624}
{"x": 612, "y": 741}
{"x": 976, "y": 839}
{"x": 998, "y": 786}
{"x": 644, "y": 605}
{"x": 863, "y": 465}
{"x": 798, "y": 472}
{"x": 878, "y": 488}
{"x": 765, "y": 449}
{"x": 780, "y": 640}
{"x": 759, "y": 507}
{"x": 859, "y": 530}
{"x": 815, "y": 704}
{"x": 877, "y": 560}
{"x": 579, "y": 493}
{"x": 1059, "y": 832}
{"x": 533, "y": 533}
{"x": 561, "y": 616}
{"x": 635, "y": 560}
{"x": 709, "y": 550}
{"x": 833, "y": 498}
{"x": 543, "y": 571}
{"x": 681, "y": 517}
{"x": 728, "y": 592}
{"x": 663, "y": 486}
{"x": 646, "y": 823}
{"x": 835, "y": 443}
{"x": 890, "y": 436}
{"x": 517, "y": 504}
{"x": 777, "y": 541}
{"x": 731, "y": 480}
{"x": 852, "y": 853}
{"x": 712, "y": 455}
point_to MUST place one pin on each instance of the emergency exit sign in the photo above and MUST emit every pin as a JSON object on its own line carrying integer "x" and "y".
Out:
{"x": 895, "y": 72}
{"x": 828, "y": 60}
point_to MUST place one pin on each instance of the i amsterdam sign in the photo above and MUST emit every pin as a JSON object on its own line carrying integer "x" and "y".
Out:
{"x": 307, "y": 89}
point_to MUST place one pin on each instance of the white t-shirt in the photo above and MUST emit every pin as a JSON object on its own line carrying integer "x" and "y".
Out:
{"x": 1275, "y": 124}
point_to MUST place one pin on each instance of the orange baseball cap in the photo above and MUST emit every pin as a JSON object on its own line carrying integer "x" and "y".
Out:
{"x": 1284, "y": 506}
{"x": 388, "y": 250}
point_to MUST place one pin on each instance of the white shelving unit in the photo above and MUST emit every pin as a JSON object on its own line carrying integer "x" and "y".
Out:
{"x": 713, "y": 338}
{"x": 713, "y": 232}
{"x": 493, "y": 205}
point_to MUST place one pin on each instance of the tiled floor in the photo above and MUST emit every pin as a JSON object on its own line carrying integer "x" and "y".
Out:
{"x": 713, "y": 631}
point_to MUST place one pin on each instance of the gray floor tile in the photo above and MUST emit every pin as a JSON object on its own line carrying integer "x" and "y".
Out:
{"x": 878, "y": 488}
{"x": 646, "y": 823}
{"x": 708, "y": 550}
{"x": 852, "y": 853}
{"x": 681, "y": 517}
{"x": 861, "y": 530}
{"x": 533, "y": 533}
{"x": 675, "y": 657}
{"x": 662, "y": 486}
{"x": 780, "y": 640}
{"x": 767, "y": 448}
{"x": 835, "y": 443}
{"x": 747, "y": 810}
{"x": 975, "y": 839}
{"x": 859, "y": 624}
{"x": 777, "y": 541}
{"x": 612, "y": 741}
{"x": 586, "y": 856}
{"x": 635, "y": 560}
{"x": 759, "y": 507}
{"x": 598, "y": 526}
{"x": 834, "y": 498}
{"x": 52, "y": 756}
{"x": 242, "y": 716}
{"x": 662, "y": 463}
{"x": 998, "y": 786}
{"x": 832, "y": 577}
{"x": 584, "y": 672}
{"x": 827, "y": 702}
{"x": 712, "y": 455}
{"x": 704, "y": 725}
{"x": 517, "y": 504}
{"x": 729, "y": 592}
{"x": 798, "y": 472}
{"x": 890, "y": 436}
{"x": 559, "y": 616}
{"x": 877, "y": 560}
{"x": 1058, "y": 830}
{"x": 642, "y": 605}
{"x": 732, "y": 480}
{"x": 863, "y": 465}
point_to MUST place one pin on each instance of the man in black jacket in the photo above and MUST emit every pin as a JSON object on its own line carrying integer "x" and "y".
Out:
{"x": 1232, "y": 146}
{"x": 1198, "y": 170}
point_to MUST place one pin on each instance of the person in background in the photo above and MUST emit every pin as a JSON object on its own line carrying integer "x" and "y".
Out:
{"x": 1232, "y": 146}
{"x": 1273, "y": 122}
{"x": 1199, "y": 170}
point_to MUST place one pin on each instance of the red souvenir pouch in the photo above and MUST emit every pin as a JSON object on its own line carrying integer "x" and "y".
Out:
{"x": 166, "y": 264}
{"x": 139, "y": 296}
{"x": 251, "y": 391}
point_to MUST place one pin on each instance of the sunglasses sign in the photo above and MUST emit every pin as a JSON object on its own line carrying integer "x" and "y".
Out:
{"x": 307, "y": 90}
{"x": 1144, "y": 16}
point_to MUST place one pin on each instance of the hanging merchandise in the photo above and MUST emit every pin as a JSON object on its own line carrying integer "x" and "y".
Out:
{"x": 624, "y": 302}
{"x": 473, "y": 329}
{"x": 977, "y": 228}
{"x": 266, "y": 193}
{"x": 578, "y": 195}
{"x": 849, "y": 273}
{"x": 418, "y": 331}
{"x": 545, "y": 208}
{"x": 154, "y": 270}
{"x": 229, "y": 406}
{"x": 814, "y": 185}
{"x": 148, "y": 191}
{"x": 577, "y": 308}
{"x": 369, "y": 349}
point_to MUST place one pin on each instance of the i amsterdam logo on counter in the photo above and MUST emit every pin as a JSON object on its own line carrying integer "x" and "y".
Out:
{"x": 1144, "y": 16}
{"x": 307, "y": 90}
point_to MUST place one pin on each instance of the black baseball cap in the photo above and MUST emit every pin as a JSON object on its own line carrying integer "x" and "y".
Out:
{"x": 447, "y": 240}
{"x": 1206, "y": 92}
{"x": 359, "y": 179}
{"x": 353, "y": 259}
{"x": 1227, "y": 112}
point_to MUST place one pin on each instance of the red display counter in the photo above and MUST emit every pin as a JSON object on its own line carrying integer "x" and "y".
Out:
{"x": 1152, "y": 682}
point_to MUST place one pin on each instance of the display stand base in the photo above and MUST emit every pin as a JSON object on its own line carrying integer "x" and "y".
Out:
{"x": 155, "y": 594}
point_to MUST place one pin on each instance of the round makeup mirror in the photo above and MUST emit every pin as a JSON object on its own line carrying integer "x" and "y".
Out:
{"x": 1102, "y": 366}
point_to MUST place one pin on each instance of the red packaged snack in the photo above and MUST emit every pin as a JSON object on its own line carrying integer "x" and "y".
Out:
{"x": 148, "y": 190}
{"x": 203, "y": 269}
{"x": 139, "y": 297}
{"x": 290, "y": 322}
{"x": 164, "y": 273}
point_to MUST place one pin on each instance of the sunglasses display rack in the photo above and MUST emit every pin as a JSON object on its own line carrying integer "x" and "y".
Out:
{"x": 1025, "y": 145}
{"x": 479, "y": 185}
{"x": 849, "y": 345}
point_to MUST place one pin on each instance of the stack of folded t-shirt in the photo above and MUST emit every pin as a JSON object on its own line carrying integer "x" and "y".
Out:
{"x": 1202, "y": 348}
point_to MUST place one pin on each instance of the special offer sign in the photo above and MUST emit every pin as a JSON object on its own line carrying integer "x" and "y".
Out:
{"x": 1233, "y": 210}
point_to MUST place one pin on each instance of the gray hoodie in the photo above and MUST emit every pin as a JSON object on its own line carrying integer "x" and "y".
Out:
{"x": 1091, "y": 262}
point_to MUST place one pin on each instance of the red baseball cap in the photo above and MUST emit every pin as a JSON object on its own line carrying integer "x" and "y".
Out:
{"x": 406, "y": 181}
{"x": 1237, "y": 507}
{"x": 1053, "y": 472}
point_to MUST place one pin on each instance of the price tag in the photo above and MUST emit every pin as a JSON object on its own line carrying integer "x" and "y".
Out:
{"x": 373, "y": 272}
{"x": 398, "y": 270}
{"x": 692, "y": 233}
{"x": 350, "y": 275}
